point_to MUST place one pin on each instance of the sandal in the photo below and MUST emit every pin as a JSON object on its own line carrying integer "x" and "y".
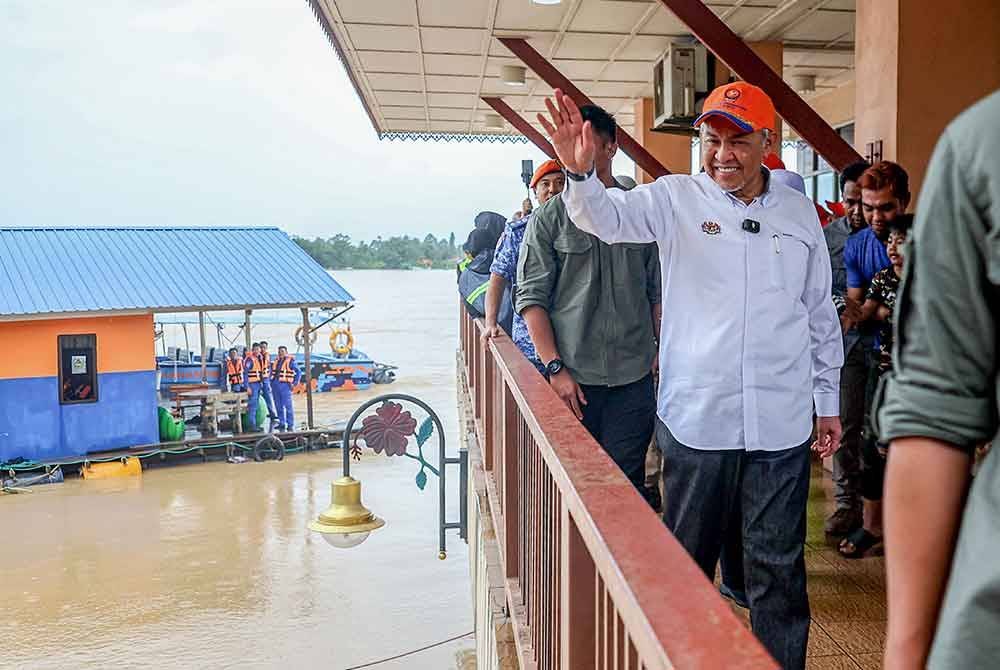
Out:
{"x": 861, "y": 544}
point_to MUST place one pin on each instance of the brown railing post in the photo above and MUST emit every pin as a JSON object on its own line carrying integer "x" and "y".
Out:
{"x": 577, "y": 581}
{"x": 477, "y": 372}
{"x": 511, "y": 477}
{"x": 463, "y": 334}
{"x": 488, "y": 393}
{"x": 496, "y": 409}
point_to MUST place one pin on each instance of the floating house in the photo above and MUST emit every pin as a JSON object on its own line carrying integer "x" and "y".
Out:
{"x": 77, "y": 310}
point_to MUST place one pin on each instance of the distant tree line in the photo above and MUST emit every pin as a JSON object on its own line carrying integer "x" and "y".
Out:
{"x": 339, "y": 252}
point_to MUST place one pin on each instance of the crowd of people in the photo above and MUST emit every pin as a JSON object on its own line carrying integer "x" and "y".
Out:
{"x": 778, "y": 335}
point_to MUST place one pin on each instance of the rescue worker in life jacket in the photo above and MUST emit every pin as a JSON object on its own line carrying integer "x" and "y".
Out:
{"x": 265, "y": 382}
{"x": 285, "y": 377}
{"x": 234, "y": 372}
{"x": 252, "y": 375}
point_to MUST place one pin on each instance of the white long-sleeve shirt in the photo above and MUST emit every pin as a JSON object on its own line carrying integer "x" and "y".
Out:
{"x": 750, "y": 340}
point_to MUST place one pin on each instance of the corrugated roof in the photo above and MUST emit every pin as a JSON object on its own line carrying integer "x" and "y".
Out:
{"x": 69, "y": 271}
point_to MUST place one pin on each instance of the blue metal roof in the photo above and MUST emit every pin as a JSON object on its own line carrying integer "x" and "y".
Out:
{"x": 68, "y": 271}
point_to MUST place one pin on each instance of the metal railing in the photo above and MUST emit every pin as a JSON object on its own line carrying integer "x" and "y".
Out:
{"x": 593, "y": 578}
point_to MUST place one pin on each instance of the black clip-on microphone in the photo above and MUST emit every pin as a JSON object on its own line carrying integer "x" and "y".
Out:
{"x": 751, "y": 226}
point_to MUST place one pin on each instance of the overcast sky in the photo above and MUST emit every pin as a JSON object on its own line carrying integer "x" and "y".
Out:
{"x": 216, "y": 112}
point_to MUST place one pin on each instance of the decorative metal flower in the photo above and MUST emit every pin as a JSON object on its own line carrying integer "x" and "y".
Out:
{"x": 389, "y": 429}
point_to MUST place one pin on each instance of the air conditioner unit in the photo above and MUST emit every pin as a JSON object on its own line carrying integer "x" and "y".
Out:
{"x": 682, "y": 77}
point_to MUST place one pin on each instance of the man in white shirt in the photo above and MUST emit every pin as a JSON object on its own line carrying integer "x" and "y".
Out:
{"x": 750, "y": 344}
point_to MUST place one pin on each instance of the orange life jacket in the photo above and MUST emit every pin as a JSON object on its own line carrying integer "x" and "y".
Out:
{"x": 283, "y": 370}
{"x": 265, "y": 366}
{"x": 254, "y": 371}
{"x": 234, "y": 371}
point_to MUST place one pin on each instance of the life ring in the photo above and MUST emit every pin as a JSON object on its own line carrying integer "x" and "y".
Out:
{"x": 299, "y": 340}
{"x": 341, "y": 341}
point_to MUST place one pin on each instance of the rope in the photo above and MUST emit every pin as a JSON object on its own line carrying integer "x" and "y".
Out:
{"x": 409, "y": 653}
{"x": 221, "y": 327}
{"x": 32, "y": 465}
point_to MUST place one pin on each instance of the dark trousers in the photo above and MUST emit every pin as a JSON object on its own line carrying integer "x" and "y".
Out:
{"x": 621, "y": 419}
{"x": 847, "y": 460}
{"x": 770, "y": 488}
{"x": 283, "y": 399}
{"x": 872, "y": 452}
{"x": 731, "y": 559}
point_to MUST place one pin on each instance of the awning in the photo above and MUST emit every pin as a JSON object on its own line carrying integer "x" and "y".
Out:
{"x": 421, "y": 67}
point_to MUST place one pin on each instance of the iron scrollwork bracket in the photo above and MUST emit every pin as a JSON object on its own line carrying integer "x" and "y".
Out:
{"x": 391, "y": 430}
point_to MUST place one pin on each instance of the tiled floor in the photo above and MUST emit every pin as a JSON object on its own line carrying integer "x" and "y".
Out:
{"x": 847, "y": 596}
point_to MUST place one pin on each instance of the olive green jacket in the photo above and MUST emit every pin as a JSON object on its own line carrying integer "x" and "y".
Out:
{"x": 598, "y": 296}
{"x": 946, "y": 379}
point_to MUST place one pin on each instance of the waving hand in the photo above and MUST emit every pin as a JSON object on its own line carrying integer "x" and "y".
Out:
{"x": 572, "y": 137}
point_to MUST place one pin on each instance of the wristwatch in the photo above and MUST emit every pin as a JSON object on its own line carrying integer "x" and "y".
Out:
{"x": 554, "y": 367}
{"x": 581, "y": 177}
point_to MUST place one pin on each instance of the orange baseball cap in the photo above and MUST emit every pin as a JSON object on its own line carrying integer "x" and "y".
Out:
{"x": 742, "y": 104}
{"x": 548, "y": 167}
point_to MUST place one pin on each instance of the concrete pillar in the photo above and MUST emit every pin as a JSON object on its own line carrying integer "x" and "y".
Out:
{"x": 673, "y": 150}
{"x": 917, "y": 66}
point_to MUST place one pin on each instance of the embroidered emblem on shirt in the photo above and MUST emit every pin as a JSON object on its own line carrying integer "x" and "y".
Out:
{"x": 711, "y": 228}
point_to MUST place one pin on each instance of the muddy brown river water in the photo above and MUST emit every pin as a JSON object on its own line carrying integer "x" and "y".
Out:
{"x": 210, "y": 565}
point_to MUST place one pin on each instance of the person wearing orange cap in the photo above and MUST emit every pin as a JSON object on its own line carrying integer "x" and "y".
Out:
{"x": 547, "y": 181}
{"x": 750, "y": 344}
{"x": 773, "y": 161}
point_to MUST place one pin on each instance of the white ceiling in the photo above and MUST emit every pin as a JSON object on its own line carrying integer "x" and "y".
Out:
{"x": 422, "y": 65}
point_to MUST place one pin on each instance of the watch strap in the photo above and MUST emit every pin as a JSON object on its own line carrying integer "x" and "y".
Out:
{"x": 580, "y": 177}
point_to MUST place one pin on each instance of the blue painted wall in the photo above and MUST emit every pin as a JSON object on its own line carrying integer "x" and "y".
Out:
{"x": 35, "y": 426}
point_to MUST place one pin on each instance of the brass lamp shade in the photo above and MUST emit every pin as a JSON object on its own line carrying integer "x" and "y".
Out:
{"x": 346, "y": 515}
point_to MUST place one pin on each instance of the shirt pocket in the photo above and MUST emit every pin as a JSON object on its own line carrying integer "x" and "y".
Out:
{"x": 629, "y": 265}
{"x": 573, "y": 249}
{"x": 789, "y": 262}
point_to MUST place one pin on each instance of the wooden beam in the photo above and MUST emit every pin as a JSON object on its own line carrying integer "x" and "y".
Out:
{"x": 522, "y": 125}
{"x": 551, "y": 76}
{"x": 734, "y": 52}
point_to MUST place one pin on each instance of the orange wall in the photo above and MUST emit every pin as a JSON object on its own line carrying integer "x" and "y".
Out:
{"x": 673, "y": 151}
{"x": 124, "y": 344}
{"x": 835, "y": 106}
{"x": 919, "y": 67}
{"x": 876, "y": 74}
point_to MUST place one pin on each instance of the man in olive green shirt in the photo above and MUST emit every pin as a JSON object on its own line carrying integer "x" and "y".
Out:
{"x": 942, "y": 401}
{"x": 592, "y": 310}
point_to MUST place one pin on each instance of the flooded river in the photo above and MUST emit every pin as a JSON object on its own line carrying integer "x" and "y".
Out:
{"x": 211, "y": 566}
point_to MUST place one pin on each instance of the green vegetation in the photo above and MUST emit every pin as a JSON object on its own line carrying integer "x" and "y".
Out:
{"x": 395, "y": 253}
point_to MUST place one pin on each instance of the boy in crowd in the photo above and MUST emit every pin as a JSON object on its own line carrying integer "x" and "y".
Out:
{"x": 879, "y": 307}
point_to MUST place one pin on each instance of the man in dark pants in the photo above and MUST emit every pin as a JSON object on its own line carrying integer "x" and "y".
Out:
{"x": 589, "y": 308}
{"x": 853, "y": 376}
{"x": 751, "y": 349}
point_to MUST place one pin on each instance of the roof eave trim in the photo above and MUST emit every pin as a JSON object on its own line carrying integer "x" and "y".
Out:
{"x": 51, "y": 316}
{"x": 416, "y": 135}
{"x": 324, "y": 22}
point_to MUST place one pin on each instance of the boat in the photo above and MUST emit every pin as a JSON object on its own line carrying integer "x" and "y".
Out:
{"x": 344, "y": 369}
